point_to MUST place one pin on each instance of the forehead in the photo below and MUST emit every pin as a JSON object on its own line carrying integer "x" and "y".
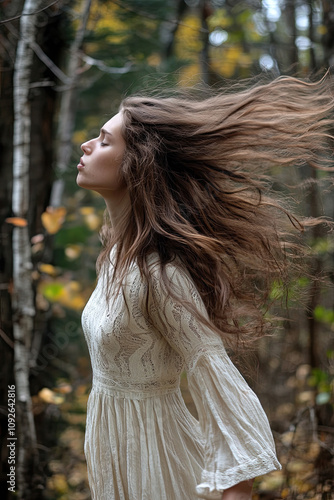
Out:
{"x": 114, "y": 125}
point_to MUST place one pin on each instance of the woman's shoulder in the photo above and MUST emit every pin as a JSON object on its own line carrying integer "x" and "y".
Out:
{"x": 169, "y": 270}
{"x": 175, "y": 273}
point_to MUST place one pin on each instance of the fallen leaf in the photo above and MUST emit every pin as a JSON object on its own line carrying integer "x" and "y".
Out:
{"x": 17, "y": 221}
{"x": 58, "y": 483}
{"x": 49, "y": 396}
{"x": 86, "y": 210}
{"x": 53, "y": 219}
{"x": 93, "y": 221}
{"x": 72, "y": 252}
{"x": 38, "y": 238}
{"x": 47, "y": 269}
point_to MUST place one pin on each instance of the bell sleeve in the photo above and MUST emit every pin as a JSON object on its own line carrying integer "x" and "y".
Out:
{"x": 238, "y": 443}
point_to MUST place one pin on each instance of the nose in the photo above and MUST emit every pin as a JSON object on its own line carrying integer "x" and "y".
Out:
{"x": 85, "y": 148}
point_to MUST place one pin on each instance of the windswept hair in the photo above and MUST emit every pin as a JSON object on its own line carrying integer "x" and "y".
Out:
{"x": 197, "y": 174}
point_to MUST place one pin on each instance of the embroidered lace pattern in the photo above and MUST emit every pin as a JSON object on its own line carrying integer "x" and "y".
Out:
{"x": 141, "y": 442}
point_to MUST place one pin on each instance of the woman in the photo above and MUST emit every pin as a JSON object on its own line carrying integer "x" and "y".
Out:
{"x": 193, "y": 242}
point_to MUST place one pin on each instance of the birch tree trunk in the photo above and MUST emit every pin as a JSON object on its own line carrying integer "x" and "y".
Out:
{"x": 23, "y": 298}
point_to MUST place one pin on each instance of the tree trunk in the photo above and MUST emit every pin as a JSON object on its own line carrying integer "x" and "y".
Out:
{"x": 292, "y": 51}
{"x": 170, "y": 33}
{"x": 328, "y": 37}
{"x": 22, "y": 297}
{"x": 205, "y": 11}
{"x": 313, "y": 61}
{"x": 68, "y": 108}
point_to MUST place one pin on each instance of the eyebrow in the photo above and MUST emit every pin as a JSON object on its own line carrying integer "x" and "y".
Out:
{"x": 104, "y": 131}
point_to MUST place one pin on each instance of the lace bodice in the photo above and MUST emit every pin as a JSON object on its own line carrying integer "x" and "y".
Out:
{"x": 138, "y": 359}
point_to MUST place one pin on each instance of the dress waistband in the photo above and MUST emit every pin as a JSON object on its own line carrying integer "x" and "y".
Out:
{"x": 101, "y": 383}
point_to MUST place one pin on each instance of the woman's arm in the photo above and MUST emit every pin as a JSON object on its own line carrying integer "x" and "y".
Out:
{"x": 241, "y": 491}
{"x": 237, "y": 440}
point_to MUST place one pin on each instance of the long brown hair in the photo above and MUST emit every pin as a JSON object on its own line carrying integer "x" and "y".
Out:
{"x": 196, "y": 170}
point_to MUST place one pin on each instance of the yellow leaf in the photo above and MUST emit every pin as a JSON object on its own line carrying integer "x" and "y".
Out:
{"x": 298, "y": 466}
{"x": 219, "y": 19}
{"x": 17, "y": 221}
{"x": 154, "y": 59}
{"x": 272, "y": 481}
{"x": 58, "y": 483}
{"x": 47, "y": 269}
{"x": 189, "y": 75}
{"x": 53, "y": 219}
{"x": 322, "y": 30}
{"x": 49, "y": 396}
{"x": 76, "y": 302}
{"x": 86, "y": 210}
{"x": 79, "y": 136}
{"x": 92, "y": 221}
{"x": 187, "y": 41}
{"x": 72, "y": 252}
{"x": 73, "y": 286}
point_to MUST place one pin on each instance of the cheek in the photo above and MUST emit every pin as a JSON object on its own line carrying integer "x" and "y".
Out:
{"x": 113, "y": 175}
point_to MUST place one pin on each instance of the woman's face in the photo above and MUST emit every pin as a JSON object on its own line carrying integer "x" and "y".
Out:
{"x": 99, "y": 167}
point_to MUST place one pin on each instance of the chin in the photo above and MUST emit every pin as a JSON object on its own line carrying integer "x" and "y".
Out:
{"x": 80, "y": 180}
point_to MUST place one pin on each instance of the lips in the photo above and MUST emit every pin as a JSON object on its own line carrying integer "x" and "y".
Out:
{"x": 81, "y": 164}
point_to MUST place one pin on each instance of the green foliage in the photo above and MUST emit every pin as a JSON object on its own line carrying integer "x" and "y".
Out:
{"x": 289, "y": 292}
{"x": 133, "y": 34}
{"x": 324, "y": 315}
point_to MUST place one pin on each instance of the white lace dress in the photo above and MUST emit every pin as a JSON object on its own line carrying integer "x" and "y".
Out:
{"x": 141, "y": 442}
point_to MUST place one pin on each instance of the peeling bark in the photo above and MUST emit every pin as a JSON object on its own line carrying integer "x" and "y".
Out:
{"x": 23, "y": 298}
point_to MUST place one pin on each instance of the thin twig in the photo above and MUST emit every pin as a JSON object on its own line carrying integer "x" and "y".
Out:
{"x": 90, "y": 61}
{"x": 43, "y": 57}
{"x": 6, "y": 338}
{"x": 28, "y": 14}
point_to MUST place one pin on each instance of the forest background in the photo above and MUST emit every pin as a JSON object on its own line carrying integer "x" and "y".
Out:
{"x": 64, "y": 67}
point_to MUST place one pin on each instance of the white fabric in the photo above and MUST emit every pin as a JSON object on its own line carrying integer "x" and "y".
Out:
{"x": 141, "y": 442}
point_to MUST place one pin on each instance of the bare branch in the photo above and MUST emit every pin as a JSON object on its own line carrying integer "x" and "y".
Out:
{"x": 49, "y": 63}
{"x": 90, "y": 61}
{"x": 5, "y": 337}
{"x": 44, "y": 58}
{"x": 28, "y": 14}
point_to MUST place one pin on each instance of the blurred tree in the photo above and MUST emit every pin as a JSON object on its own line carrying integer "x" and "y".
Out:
{"x": 22, "y": 295}
{"x": 82, "y": 67}
{"x": 26, "y": 84}
{"x": 66, "y": 117}
{"x": 328, "y": 32}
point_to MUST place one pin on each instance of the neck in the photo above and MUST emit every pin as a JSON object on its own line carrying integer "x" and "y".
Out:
{"x": 117, "y": 206}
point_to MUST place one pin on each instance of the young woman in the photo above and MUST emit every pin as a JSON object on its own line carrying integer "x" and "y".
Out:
{"x": 193, "y": 241}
